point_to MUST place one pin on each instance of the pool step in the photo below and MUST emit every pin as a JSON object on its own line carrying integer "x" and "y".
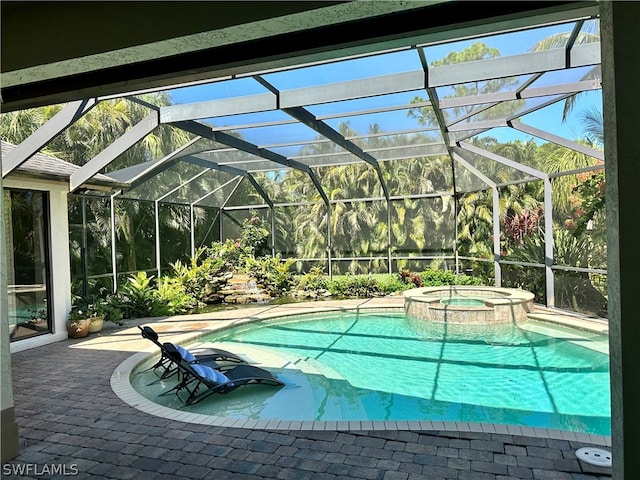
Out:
{"x": 594, "y": 326}
{"x": 552, "y": 330}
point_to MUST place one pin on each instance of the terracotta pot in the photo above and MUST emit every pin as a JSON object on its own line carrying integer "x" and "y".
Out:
{"x": 78, "y": 328}
{"x": 96, "y": 324}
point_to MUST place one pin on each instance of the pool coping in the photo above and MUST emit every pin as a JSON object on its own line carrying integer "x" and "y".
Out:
{"x": 121, "y": 386}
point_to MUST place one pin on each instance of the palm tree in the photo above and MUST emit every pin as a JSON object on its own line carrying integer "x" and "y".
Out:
{"x": 594, "y": 126}
{"x": 590, "y": 34}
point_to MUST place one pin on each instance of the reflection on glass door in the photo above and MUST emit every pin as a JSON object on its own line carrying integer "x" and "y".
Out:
{"x": 27, "y": 257}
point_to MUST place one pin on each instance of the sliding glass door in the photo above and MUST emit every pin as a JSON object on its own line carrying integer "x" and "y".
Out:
{"x": 27, "y": 258}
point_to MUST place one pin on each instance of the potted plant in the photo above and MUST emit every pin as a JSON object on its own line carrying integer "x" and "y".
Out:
{"x": 85, "y": 317}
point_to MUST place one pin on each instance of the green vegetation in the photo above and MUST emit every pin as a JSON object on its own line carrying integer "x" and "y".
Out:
{"x": 426, "y": 217}
{"x": 194, "y": 285}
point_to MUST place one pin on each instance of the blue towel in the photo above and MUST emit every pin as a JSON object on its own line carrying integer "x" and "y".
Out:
{"x": 211, "y": 374}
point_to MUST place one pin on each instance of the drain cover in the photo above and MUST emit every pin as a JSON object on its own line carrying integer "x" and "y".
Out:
{"x": 594, "y": 456}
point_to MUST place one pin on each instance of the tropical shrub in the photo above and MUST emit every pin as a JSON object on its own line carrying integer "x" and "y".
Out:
{"x": 254, "y": 236}
{"x": 434, "y": 278}
{"x": 171, "y": 293}
{"x": 139, "y": 299}
{"x": 391, "y": 283}
{"x": 201, "y": 272}
{"x": 229, "y": 254}
{"x": 409, "y": 277}
{"x": 273, "y": 273}
{"x": 354, "y": 286}
{"x": 315, "y": 279}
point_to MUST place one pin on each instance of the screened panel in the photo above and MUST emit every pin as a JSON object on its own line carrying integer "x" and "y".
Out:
{"x": 423, "y": 226}
{"x": 233, "y": 222}
{"x": 217, "y": 89}
{"x": 98, "y": 236}
{"x": 418, "y": 176}
{"x": 522, "y": 223}
{"x": 76, "y": 241}
{"x": 135, "y": 236}
{"x": 526, "y": 278}
{"x": 290, "y": 133}
{"x": 284, "y": 186}
{"x": 350, "y": 181}
{"x": 496, "y": 171}
{"x": 286, "y": 241}
{"x": 469, "y": 90}
{"x": 158, "y": 144}
{"x": 584, "y": 250}
{"x": 359, "y": 266}
{"x": 236, "y": 159}
{"x": 359, "y": 229}
{"x": 93, "y": 238}
{"x": 301, "y": 231}
{"x": 233, "y": 123}
{"x": 175, "y": 234}
{"x": 200, "y": 145}
{"x": 580, "y": 220}
{"x": 207, "y": 186}
{"x": 164, "y": 181}
{"x": 514, "y": 108}
{"x": 514, "y": 43}
{"x": 300, "y": 149}
{"x": 473, "y": 131}
{"x": 74, "y": 203}
{"x": 581, "y": 292}
{"x": 328, "y": 159}
{"x": 475, "y": 224}
{"x": 568, "y": 75}
{"x": 380, "y": 102}
{"x": 304, "y": 266}
{"x": 421, "y": 264}
{"x": 100, "y": 284}
{"x": 405, "y": 138}
{"x": 483, "y": 270}
{"x": 241, "y": 194}
{"x": 75, "y": 257}
{"x": 218, "y": 196}
{"x": 469, "y": 179}
{"x": 399, "y": 153}
{"x": 346, "y": 70}
{"x": 206, "y": 226}
{"x": 384, "y": 121}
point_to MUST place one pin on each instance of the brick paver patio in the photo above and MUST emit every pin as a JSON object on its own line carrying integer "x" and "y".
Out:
{"x": 72, "y": 423}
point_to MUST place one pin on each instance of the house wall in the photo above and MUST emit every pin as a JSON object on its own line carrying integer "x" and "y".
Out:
{"x": 59, "y": 294}
{"x": 8, "y": 424}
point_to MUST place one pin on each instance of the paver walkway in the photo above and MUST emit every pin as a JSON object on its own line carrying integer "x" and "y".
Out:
{"x": 71, "y": 423}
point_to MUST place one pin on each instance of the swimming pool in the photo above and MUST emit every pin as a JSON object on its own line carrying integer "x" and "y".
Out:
{"x": 378, "y": 366}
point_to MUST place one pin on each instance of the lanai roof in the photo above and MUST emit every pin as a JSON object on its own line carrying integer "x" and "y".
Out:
{"x": 275, "y": 121}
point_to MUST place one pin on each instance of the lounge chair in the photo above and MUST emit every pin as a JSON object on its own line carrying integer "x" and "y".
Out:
{"x": 200, "y": 381}
{"x": 211, "y": 357}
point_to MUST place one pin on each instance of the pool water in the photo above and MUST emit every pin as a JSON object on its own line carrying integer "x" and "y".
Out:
{"x": 377, "y": 366}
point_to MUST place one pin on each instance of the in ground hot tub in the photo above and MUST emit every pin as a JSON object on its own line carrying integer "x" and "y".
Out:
{"x": 468, "y": 305}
